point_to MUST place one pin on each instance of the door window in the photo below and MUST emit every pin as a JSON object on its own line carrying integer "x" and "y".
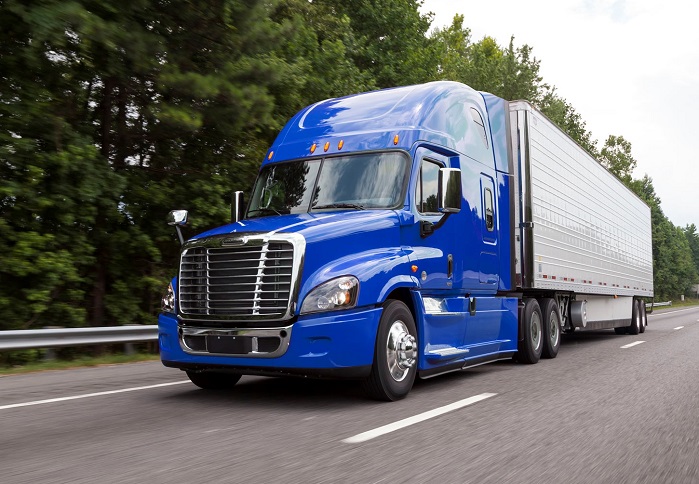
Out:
{"x": 427, "y": 187}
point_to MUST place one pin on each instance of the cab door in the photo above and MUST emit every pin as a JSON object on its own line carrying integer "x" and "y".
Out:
{"x": 434, "y": 250}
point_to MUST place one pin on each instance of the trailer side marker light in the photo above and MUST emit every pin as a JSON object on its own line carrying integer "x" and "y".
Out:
{"x": 395, "y": 140}
{"x": 271, "y": 154}
{"x": 341, "y": 144}
{"x": 413, "y": 268}
{"x": 327, "y": 146}
{"x": 313, "y": 147}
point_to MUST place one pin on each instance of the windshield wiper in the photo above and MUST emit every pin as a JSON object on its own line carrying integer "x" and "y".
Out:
{"x": 339, "y": 205}
{"x": 268, "y": 211}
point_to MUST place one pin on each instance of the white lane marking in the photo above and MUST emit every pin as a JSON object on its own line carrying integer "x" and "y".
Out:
{"x": 406, "y": 422}
{"x": 671, "y": 312}
{"x": 89, "y": 395}
{"x": 635, "y": 343}
{"x": 678, "y": 327}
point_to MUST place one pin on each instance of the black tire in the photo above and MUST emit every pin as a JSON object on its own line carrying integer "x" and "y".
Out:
{"x": 552, "y": 327}
{"x": 644, "y": 317}
{"x": 635, "y": 326}
{"x": 529, "y": 349}
{"x": 395, "y": 354}
{"x": 209, "y": 380}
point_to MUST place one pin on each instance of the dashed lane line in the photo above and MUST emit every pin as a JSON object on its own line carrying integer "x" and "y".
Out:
{"x": 630, "y": 345}
{"x": 89, "y": 395}
{"x": 678, "y": 327}
{"x": 406, "y": 422}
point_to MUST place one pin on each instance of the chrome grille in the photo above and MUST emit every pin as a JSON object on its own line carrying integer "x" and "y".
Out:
{"x": 233, "y": 282}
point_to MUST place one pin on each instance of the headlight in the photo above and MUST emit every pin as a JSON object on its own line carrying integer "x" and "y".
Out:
{"x": 340, "y": 293}
{"x": 168, "y": 301}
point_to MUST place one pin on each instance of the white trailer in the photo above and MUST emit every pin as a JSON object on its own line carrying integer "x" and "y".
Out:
{"x": 581, "y": 235}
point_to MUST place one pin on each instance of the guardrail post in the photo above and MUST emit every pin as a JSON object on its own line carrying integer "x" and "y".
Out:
{"x": 49, "y": 354}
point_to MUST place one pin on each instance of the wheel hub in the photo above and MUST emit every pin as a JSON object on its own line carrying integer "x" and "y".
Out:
{"x": 401, "y": 350}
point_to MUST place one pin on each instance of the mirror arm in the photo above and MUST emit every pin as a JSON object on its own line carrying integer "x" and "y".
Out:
{"x": 427, "y": 228}
{"x": 179, "y": 234}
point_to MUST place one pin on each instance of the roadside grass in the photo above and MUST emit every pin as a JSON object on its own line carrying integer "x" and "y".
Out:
{"x": 78, "y": 362}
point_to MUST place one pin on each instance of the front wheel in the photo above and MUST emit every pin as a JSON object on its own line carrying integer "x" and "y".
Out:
{"x": 209, "y": 380}
{"x": 395, "y": 354}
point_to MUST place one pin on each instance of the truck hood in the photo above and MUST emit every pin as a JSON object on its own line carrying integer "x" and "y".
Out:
{"x": 314, "y": 227}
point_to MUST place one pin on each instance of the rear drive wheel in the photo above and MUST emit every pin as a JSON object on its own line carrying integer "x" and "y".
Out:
{"x": 635, "y": 326}
{"x": 209, "y": 380}
{"x": 395, "y": 354}
{"x": 529, "y": 349}
{"x": 644, "y": 317}
{"x": 552, "y": 328}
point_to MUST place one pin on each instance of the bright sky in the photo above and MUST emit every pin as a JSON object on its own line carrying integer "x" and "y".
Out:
{"x": 629, "y": 68}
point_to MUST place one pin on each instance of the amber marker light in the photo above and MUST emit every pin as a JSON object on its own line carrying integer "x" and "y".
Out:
{"x": 341, "y": 144}
{"x": 271, "y": 154}
{"x": 414, "y": 268}
{"x": 395, "y": 140}
{"x": 327, "y": 146}
{"x": 313, "y": 148}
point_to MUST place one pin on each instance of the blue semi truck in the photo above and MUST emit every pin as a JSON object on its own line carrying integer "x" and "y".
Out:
{"x": 406, "y": 233}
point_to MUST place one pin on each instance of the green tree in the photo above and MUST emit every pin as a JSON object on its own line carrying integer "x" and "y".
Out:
{"x": 616, "y": 157}
{"x": 451, "y": 46}
{"x": 690, "y": 232}
{"x": 52, "y": 178}
{"x": 674, "y": 270}
{"x": 112, "y": 115}
{"x": 569, "y": 120}
{"x": 391, "y": 40}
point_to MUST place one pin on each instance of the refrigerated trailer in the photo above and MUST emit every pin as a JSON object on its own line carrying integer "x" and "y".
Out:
{"x": 406, "y": 233}
{"x": 584, "y": 237}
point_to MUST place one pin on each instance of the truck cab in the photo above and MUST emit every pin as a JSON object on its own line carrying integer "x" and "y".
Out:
{"x": 377, "y": 245}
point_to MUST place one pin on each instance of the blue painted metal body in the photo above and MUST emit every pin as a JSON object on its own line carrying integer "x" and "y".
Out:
{"x": 384, "y": 249}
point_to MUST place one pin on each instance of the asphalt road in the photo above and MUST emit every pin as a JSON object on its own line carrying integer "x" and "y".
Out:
{"x": 597, "y": 413}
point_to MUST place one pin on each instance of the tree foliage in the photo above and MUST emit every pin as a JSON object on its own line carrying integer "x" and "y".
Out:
{"x": 111, "y": 114}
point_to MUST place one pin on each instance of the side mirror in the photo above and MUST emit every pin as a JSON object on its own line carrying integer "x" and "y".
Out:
{"x": 237, "y": 207}
{"x": 449, "y": 190}
{"x": 178, "y": 218}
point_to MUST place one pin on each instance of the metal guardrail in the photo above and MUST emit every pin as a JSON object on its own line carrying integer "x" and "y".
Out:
{"x": 655, "y": 305}
{"x": 64, "y": 337}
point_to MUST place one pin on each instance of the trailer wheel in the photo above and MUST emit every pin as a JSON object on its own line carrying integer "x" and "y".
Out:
{"x": 635, "y": 326}
{"x": 529, "y": 349}
{"x": 644, "y": 317}
{"x": 552, "y": 328}
{"x": 209, "y": 380}
{"x": 395, "y": 354}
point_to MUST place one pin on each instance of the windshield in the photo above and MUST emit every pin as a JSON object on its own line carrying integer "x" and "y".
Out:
{"x": 365, "y": 181}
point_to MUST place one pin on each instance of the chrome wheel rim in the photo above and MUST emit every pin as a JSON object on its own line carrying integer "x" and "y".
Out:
{"x": 638, "y": 317}
{"x": 536, "y": 330}
{"x": 400, "y": 351}
{"x": 554, "y": 330}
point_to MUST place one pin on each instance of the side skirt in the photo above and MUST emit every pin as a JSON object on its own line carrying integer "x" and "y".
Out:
{"x": 462, "y": 365}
